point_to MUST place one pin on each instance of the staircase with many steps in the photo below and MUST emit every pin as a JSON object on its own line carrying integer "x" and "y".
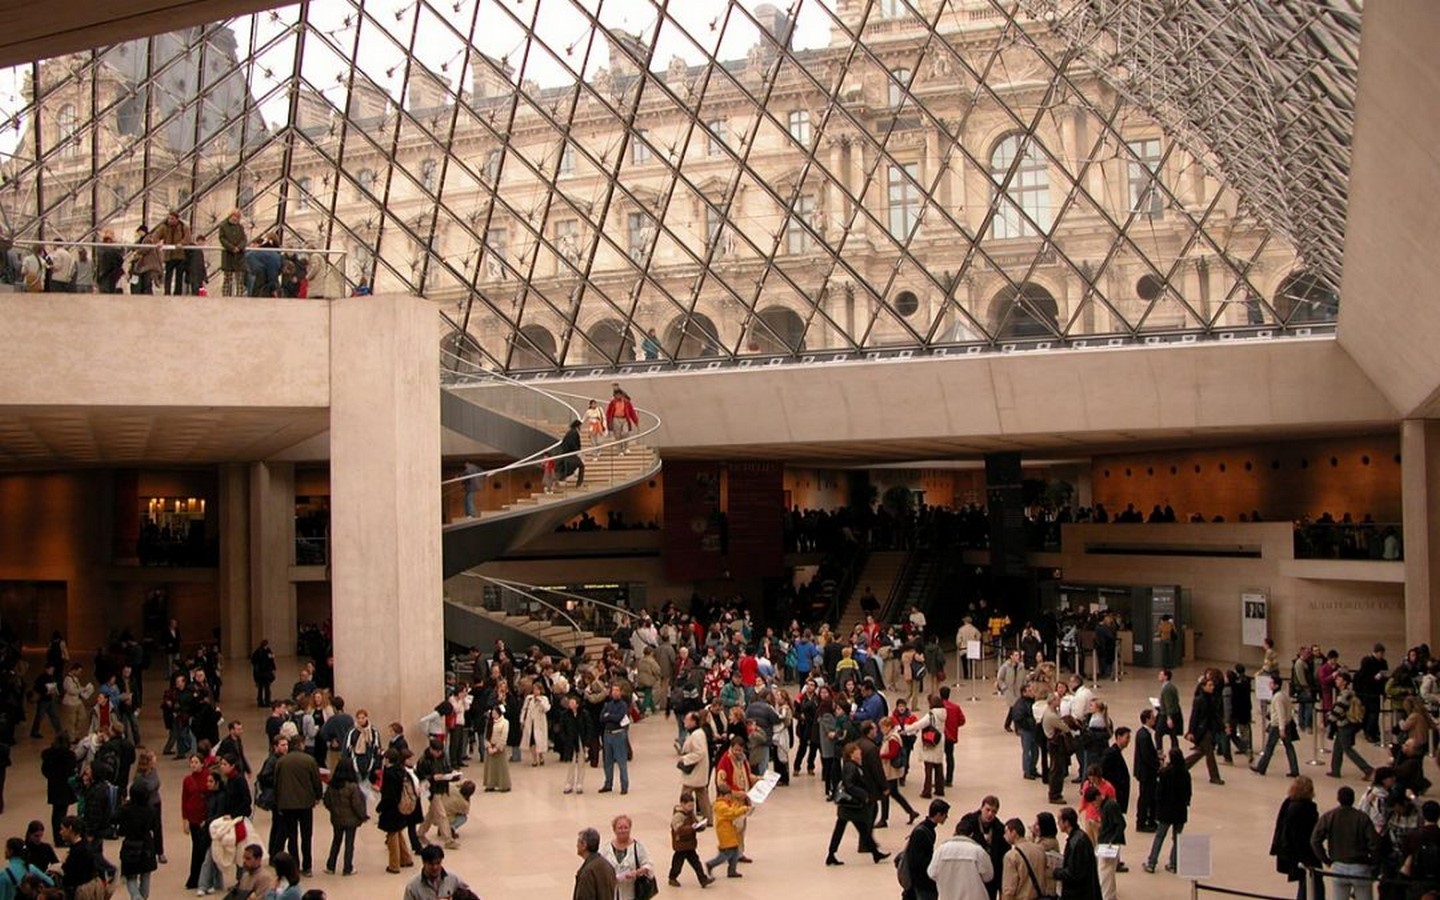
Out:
{"x": 882, "y": 569}
{"x": 559, "y": 636}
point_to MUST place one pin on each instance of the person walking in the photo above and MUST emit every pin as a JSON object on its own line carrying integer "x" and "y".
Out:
{"x": 1348, "y": 718}
{"x": 1172, "y": 808}
{"x": 893, "y": 756}
{"x": 398, "y": 809}
{"x": 595, "y": 879}
{"x": 732, "y": 808}
{"x": 434, "y": 771}
{"x": 1282, "y": 729}
{"x": 1171, "y": 721}
{"x": 683, "y": 840}
{"x": 621, "y": 417}
{"x": 854, "y": 804}
{"x": 694, "y": 765}
{"x": 1206, "y": 721}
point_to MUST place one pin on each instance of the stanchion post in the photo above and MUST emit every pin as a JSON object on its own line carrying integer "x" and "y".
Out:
{"x": 977, "y": 673}
{"x": 1315, "y": 759}
{"x": 1095, "y": 668}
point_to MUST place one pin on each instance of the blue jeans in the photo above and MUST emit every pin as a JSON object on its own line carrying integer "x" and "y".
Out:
{"x": 616, "y": 750}
{"x": 1161, "y": 829}
{"x": 1362, "y": 886}
{"x": 469, "y": 502}
{"x": 730, "y": 856}
{"x": 138, "y": 886}
{"x": 1028, "y": 752}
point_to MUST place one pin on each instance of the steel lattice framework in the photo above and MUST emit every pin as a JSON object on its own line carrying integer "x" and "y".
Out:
{"x": 585, "y": 182}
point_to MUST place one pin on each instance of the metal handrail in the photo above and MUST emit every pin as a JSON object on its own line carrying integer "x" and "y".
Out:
{"x": 542, "y": 456}
{"x": 512, "y": 586}
{"x": 136, "y": 245}
{"x": 568, "y": 595}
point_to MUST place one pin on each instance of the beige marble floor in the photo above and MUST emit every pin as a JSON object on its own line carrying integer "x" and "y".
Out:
{"x": 521, "y": 844}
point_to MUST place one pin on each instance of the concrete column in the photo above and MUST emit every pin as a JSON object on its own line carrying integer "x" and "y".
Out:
{"x": 1420, "y": 499}
{"x": 272, "y": 547}
{"x": 385, "y": 506}
{"x": 234, "y": 513}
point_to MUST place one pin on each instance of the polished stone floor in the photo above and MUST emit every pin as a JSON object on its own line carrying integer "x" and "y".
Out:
{"x": 521, "y": 844}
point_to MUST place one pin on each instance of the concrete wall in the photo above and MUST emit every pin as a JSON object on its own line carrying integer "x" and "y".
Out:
{"x": 1339, "y": 604}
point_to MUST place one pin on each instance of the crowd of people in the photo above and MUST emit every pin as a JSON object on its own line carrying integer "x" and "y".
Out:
{"x": 753, "y": 707}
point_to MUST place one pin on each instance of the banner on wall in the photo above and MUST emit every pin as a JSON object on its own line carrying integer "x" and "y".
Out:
{"x": 1254, "y": 618}
{"x": 695, "y": 530}
{"x": 754, "y": 493}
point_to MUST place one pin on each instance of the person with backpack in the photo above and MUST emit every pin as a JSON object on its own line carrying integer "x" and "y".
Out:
{"x": 1347, "y": 717}
{"x": 931, "y": 730}
{"x": 399, "y": 808}
{"x": 913, "y": 864}
{"x": 895, "y": 759}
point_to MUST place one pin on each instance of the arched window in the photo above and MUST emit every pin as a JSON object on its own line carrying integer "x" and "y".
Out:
{"x": 610, "y": 341}
{"x": 692, "y": 337}
{"x": 534, "y": 348}
{"x": 778, "y": 330}
{"x": 65, "y": 124}
{"x": 1305, "y": 297}
{"x": 1028, "y": 193}
{"x": 897, "y": 87}
{"x": 1028, "y": 311}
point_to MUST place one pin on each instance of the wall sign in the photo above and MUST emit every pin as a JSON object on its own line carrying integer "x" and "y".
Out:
{"x": 1254, "y": 618}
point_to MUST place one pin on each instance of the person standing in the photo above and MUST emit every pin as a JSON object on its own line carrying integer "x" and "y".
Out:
{"x": 954, "y": 721}
{"x": 398, "y": 809}
{"x": 627, "y": 856}
{"x": 434, "y": 771}
{"x": 963, "y": 637}
{"x": 1348, "y": 718}
{"x": 961, "y": 867}
{"x": 1170, "y": 720}
{"x": 1369, "y": 684}
{"x": 574, "y": 730}
{"x": 172, "y": 235}
{"x": 138, "y": 826}
{"x": 262, "y": 670}
{"x": 297, "y": 790}
{"x": 920, "y": 849}
{"x": 346, "y": 805}
{"x": 535, "y": 723}
{"x": 1303, "y": 687}
{"x": 1147, "y": 770}
{"x": 497, "y": 754}
{"x": 1078, "y": 873}
{"x": 1115, "y": 770}
{"x": 1026, "y": 873}
{"x": 595, "y": 879}
{"x": 1172, "y": 808}
{"x": 433, "y": 879}
{"x": 47, "y": 696}
{"x": 694, "y": 765}
{"x": 1345, "y": 840}
{"x": 615, "y": 725}
{"x": 1290, "y": 844}
{"x": 931, "y": 730}
{"x": 1281, "y": 728}
{"x": 233, "y": 241}
{"x": 109, "y": 264}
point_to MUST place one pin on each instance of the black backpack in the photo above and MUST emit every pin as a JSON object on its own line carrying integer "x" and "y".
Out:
{"x": 1426, "y": 865}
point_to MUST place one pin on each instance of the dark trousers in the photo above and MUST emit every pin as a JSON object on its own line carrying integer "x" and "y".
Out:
{"x": 899, "y": 799}
{"x": 175, "y": 276}
{"x": 829, "y": 773}
{"x": 347, "y": 836}
{"x": 199, "y": 849}
{"x": 1372, "y": 716}
{"x": 262, "y": 693}
{"x": 862, "y": 825}
{"x": 934, "y": 780}
{"x": 949, "y": 762}
{"x": 291, "y": 830}
{"x": 58, "y": 811}
{"x": 1204, "y": 749}
{"x": 1059, "y": 762}
{"x": 1145, "y": 803}
{"x": 678, "y": 860}
{"x": 46, "y": 708}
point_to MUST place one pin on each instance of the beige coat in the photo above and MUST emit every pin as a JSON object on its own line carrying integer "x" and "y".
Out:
{"x": 1015, "y": 881}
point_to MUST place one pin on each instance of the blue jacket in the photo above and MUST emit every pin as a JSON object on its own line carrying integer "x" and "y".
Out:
{"x": 613, "y": 713}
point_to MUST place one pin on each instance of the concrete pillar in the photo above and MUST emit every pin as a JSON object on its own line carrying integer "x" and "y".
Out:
{"x": 272, "y": 547}
{"x": 1420, "y": 499}
{"x": 385, "y": 506}
{"x": 234, "y": 513}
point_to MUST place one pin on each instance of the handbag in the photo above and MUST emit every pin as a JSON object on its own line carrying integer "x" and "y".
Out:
{"x": 645, "y": 887}
{"x": 1292, "y": 733}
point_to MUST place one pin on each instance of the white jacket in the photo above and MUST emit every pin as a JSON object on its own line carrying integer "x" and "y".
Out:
{"x": 960, "y": 868}
{"x": 929, "y": 753}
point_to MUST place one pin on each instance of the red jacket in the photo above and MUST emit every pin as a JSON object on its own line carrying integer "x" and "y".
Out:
{"x": 620, "y": 408}
{"x": 954, "y": 718}
{"x": 193, "y": 791}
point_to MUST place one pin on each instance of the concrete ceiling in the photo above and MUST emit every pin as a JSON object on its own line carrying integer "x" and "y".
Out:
{"x": 38, "y": 31}
{"x": 1070, "y": 445}
{"x": 49, "y": 436}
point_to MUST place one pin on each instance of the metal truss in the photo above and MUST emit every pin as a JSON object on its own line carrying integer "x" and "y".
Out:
{"x": 567, "y": 178}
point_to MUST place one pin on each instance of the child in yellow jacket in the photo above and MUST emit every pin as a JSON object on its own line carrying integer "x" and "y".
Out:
{"x": 729, "y": 811}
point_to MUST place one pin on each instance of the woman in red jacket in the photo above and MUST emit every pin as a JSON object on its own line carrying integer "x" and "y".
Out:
{"x": 194, "y": 791}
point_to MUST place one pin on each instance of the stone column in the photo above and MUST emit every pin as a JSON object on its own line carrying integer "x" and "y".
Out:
{"x": 385, "y": 506}
{"x": 271, "y": 549}
{"x": 1420, "y": 498}
{"x": 234, "y": 513}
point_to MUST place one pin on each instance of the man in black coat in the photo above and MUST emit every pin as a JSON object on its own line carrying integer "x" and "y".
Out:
{"x": 1115, "y": 770}
{"x": 1147, "y": 771}
{"x": 874, "y": 771}
{"x": 1078, "y": 872}
{"x": 570, "y": 443}
{"x": 1207, "y": 719}
{"x": 919, "y": 849}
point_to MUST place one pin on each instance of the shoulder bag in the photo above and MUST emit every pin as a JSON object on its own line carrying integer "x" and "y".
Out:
{"x": 1034, "y": 880}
